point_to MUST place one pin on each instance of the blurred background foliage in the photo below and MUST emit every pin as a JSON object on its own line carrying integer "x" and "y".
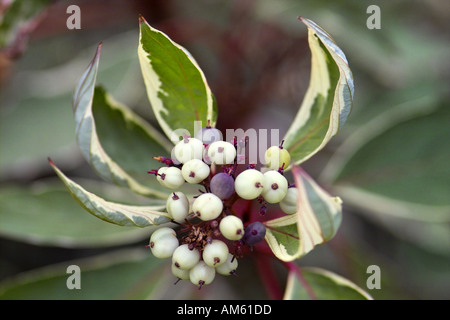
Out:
{"x": 389, "y": 163}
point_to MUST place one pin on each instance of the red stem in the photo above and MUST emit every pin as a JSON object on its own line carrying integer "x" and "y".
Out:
{"x": 292, "y": 267}
{"x": 269, "y": 277}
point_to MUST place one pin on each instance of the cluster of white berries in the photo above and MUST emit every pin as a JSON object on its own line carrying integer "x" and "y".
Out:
{"x": 211, "y": 236}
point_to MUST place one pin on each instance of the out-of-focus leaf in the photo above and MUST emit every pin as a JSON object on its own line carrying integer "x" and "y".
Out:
{"x": 125, "y": 274}
{"x": 176, "y": 86}
{"x": 322, "y": 285}
{"x": 397, "y": 165}
{"x": 120, "y": 145}
{"x": 27, "y": 135}
{"x": 45, "y": 214}
{"x": 13, "y": 22}
{"x": 327, "y": 101}
{"x": 316, "y": 221}
{"x": 36, "y": 100}
{"x": 116, "y": 213}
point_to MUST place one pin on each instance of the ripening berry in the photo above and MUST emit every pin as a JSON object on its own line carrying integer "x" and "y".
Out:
{"x": 215, "y": 253}
{"x": 202, "y": 274}
{"x": 254, "y": 233}
{"x": 177, "y": 205}
{"x": 188, "y": 149}
{"x": 249, "y": 184}
{"x": 163, "y": 242}
{"x": 207, "y": 206}
{"x": 276, "y": 157}
{"x": 209, "y": 135}
{"x": 289, "y": 203}
{"x": 232, "y": 228}
{"x": 221, "y": 152}
{"x": 180, "y": 273}
{"x": 185, "y": 258}
{"x": 195, "y": 171}
{"x": 170, "y": 177}
{"x": 229, "y": 267}
{"x": 222, "y": 185}
{"x": 275, "y": 187}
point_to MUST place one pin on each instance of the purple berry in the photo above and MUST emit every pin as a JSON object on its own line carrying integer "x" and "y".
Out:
{"x": 222, "y": 185}
{"x": 208, "y": 135}
{"x": 254, "y": 233}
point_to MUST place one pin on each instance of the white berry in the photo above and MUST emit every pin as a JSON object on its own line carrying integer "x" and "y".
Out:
{"x": 188, "y": 149}
{"x": 289, "y": 203}
{"x": 202, "y": 274}
{"x": 170, "y": 177}
{"x": 163, "y": 243}
{"x": 207, "y": 206}
{"x": 221, "y": 152}
{"x": 185, "y": 258}
{"x": 215, "y": 253}
{"x": 177, "y": 206}
{"x": 232, "y": 228}
{"x": 208, "y": 135}
{"x": 229, "y": 267}
{"x": 195, "y": 171}
{"x": 180, "y": 273}
{"x": 275, "y": 186}
{"x": 277, "y": 157}
{"x": 249, "y": 184}
{"x": 161, "y": 232}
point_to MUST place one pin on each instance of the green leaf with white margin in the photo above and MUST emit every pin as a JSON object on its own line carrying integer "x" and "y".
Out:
{"x": 116, "y": 213}
{"x": 319, "y": 284}
{"x": 328, "y": 100}
{"x": 116, "y": 142}
{"x": 317, "y": 220}
{"x": 176, "y": 86}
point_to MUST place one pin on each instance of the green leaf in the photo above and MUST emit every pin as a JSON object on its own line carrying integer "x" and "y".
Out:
{"x": 176, "y": 86}
{"x": 125, "y": 274}
{"x": 322, "y": 285}
{"x": 397, "y": 164}
{"x": 316, "y": 221}
{"x": 116, "y": 213}
{"x": 328, "y": 100}
{"x": 116, "y": 142}
{"x": 44, "y": 213}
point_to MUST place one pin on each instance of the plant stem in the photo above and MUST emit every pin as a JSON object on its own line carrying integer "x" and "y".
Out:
{"x": 268, "y": 276}
{"x": 292, "y": 267}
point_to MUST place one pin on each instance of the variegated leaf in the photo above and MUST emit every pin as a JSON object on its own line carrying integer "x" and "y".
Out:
{"x": 316, "y": 221}
{"x": 328, "y": 100}
{"x": 120, "y": 214}
{"x": 175, "y": 84}
{"x": 319, "y": 284}
{"x": 131, "y": 140}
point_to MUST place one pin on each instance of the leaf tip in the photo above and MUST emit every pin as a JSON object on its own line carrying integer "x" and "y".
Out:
{"x": 141, "y": 18}
{"x": 99, "y": 48}
{"x": 51, "y": 161}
